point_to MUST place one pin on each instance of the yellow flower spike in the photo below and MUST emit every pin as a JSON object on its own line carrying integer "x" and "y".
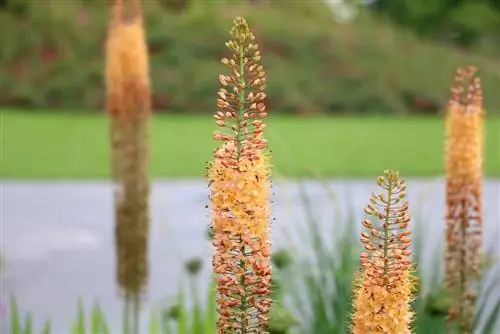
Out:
{"x": 384, "y": 290}
{"x": 128, "y": 106}
{"x": 239, "y": 179}
{"x": 463, "y": 162}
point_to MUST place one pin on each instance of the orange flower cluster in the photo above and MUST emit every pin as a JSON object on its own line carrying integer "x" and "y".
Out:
{"x": 240, "y": 191}
{"x": 127, "y": 64}
{"x": 464, "y": 159}
{"x": 384, "y": 291}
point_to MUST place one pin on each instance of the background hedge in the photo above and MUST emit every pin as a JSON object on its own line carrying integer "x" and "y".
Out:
{"x": 51, "y": 57}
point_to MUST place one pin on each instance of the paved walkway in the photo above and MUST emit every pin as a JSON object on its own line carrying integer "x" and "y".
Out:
{"x": 57, "y": 238}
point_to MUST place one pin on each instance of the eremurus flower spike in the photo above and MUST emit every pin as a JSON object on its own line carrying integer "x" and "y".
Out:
{"x": 128, "y": 106}
{"x": 384, "y": 290}
{"x": 239, "y": 182}
{"x": 240, "y": 105}
{"x": 463, "y": 162}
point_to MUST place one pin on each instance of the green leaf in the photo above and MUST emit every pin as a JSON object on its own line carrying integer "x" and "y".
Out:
{"x": 14, "y": 317}
{"x": 281, "y": 319}
{"x": 154, "y": 324}
{"x": 211, "y": 308}
{"x": 28, "y": 324}
{"x": 492, "y": 318}
{"x": 47, "y": 328}
{"x": 79, "y": 325}
{"x": 182, "y": 320}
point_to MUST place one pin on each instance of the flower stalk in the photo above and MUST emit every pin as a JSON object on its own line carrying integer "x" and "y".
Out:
{"x": 239, "y": 182}
{"x": 463, "y": 161}
{"x": 384, "y": 290}
{"x": 128, "y": 107}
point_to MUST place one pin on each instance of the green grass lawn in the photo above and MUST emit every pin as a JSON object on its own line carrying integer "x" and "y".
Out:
{"x": 63, "y": 146}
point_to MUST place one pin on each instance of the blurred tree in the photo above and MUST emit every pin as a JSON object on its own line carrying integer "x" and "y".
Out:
{"x": 423, "y": 16}
{"x": 315, "y": 65}
{"x": 465, "y": 22}
{"x": 475, "y": 22}
{"x": 18, "y": 7}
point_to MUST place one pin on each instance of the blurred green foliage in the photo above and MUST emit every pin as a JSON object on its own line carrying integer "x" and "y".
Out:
{"x": 468, "y": 23}
{"x": 52, "y": 57}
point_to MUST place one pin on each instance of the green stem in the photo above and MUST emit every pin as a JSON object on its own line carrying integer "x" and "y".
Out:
{"x": 241, "y": 96}
{"x": 126, "y": 312}
{"x": 463, "y": 269}
{"x": 136, "y": 309}
{"x": 239, "y": 119}
{"x": 386, "y": 229}
{"x": 244, "y": 301}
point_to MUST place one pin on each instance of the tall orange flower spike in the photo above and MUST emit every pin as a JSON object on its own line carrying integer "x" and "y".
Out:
{"x": 463, "y": 161}
{"x": 384, "y": 291}
{"x": 128, "y": 105}
{"x": 239, "y": 177}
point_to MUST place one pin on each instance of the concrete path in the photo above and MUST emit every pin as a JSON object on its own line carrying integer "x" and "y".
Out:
{"x": 57, "y": 238}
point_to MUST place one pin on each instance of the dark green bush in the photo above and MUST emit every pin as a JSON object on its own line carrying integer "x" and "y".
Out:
{"x": 51, "y": 56}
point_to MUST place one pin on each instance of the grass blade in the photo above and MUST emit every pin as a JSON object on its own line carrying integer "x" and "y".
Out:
{"x": 197, "y": 313}
{"x": 28, "y": 324}
{"x": 211, "y": 309}
{"x": 79, "y": 325}
{"x": 182, "y": 320}
{"x": 14, "y": 317}
{"x": 154, "y": 324}
{"x": 493, "y": 317}
{"x": 47, "y": 328}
